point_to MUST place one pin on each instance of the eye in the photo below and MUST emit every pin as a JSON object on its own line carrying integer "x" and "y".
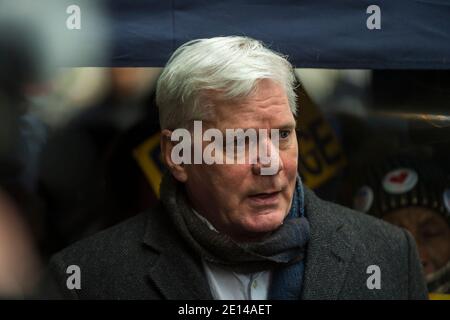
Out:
{"x": 284, "y": 134}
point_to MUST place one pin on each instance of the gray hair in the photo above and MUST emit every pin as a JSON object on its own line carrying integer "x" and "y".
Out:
{"x": 230, "y": 67}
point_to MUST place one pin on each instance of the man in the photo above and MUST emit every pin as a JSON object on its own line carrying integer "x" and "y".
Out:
{"x": 412, "y": 192}
{"x": 232, "y": 229}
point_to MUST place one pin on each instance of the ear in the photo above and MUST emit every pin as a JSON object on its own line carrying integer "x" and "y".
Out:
{"x": 177, "y": 170}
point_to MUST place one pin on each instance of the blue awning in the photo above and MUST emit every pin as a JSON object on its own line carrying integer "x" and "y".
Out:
{"x": 412, "y": 34}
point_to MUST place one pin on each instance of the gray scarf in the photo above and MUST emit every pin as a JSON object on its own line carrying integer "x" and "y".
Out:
{"x": 283, "y": 247}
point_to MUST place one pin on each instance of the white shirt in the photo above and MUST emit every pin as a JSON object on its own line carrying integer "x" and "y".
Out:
{"x": 229, "y": 285}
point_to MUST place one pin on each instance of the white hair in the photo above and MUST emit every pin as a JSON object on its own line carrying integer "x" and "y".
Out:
{"x": 229, "y": 67}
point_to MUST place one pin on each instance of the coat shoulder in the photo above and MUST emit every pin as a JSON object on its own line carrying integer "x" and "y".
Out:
{"x": 361, "y": 242}
{"x": 369, "y": 227}
{"x": 113, "y": 263}
{"x": 360, "y": 226}
{"x": 114, "y": 239}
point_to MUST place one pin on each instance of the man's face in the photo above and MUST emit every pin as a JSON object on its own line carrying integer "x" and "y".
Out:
{"x": 431, "y": 232}
{"x": 236, "y": 198}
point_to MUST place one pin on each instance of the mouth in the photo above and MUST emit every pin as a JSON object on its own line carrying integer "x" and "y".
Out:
{"x": 265, "y": 198}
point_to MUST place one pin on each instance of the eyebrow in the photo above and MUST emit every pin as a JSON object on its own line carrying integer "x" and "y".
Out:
{"x": 288, "y": 126}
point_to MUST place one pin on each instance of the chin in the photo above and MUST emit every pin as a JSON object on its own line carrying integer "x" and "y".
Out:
{"x": 263, "y": 223}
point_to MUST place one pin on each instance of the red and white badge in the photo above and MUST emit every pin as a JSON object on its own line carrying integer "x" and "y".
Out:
{"x": 400, "y": 181}
{"x": 363, "y": 199}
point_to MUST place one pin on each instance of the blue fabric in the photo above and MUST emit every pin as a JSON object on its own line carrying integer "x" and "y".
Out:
{"x": 314, "y": 34}
{"x": 287, "y": 281}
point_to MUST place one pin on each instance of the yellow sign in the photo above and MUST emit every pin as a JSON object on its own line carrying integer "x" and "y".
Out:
{"x": 148, "y": 155}
{"x": 439, "y": 296}
{"x": 320, "y": 153}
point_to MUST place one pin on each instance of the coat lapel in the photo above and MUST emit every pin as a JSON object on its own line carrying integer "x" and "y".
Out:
{"x": 176, "y": 273}
{"x": 329, "y": 252}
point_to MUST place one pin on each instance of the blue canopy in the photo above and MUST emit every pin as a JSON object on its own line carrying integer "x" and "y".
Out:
{"x": 400, "y": 34}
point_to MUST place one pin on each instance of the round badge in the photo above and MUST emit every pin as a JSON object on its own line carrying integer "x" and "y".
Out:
{"x": 363, "y": 199}
{"x": 400, "y": 181}
{"x": 446, "y": 199}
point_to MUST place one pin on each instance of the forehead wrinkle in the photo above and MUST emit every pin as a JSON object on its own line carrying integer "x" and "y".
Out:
{"x": 264, "y": 118}
{"x": 266, "y": 102}
{"x": 255, "y": 112}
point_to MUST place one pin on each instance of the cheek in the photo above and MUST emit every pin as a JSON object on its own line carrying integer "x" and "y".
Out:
{"x": 290, "y": 156}
{"x": 290, "y": 162}
{"x": 228, "y": 180}
{"x": 234, "y": 177}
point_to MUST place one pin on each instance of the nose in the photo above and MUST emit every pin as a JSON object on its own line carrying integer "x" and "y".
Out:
{"x": 268, "y": 159}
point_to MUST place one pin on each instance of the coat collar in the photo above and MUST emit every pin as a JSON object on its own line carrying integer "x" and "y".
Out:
{"x": 176, "y": 272}
{"x": 329, "y": 251}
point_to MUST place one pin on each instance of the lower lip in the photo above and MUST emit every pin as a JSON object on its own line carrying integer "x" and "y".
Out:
{"x": 265, "y": 200}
